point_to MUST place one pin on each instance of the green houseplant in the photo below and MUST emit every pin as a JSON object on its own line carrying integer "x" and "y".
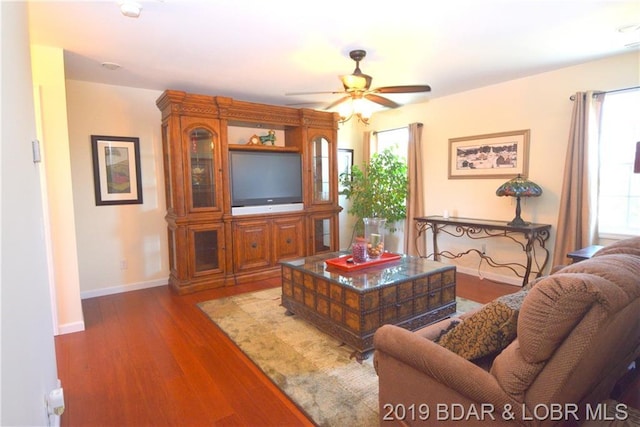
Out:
{"x": 377, "y": 190}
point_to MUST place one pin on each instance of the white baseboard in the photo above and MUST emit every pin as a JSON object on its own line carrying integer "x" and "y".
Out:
{"x": 122, "y": 288}
{"x": 69, "y": 328}
{"x": 510, "y": 280}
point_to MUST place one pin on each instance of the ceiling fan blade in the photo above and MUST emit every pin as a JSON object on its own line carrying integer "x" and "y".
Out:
{"x": 382, "y": 101}
{"x": 312, "y": 93}
{"x": 338, "y": 102}
{"x": 403, "y": 89}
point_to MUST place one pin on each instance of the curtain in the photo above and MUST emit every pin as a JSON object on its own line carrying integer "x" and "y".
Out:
{"x": 415, "y": 200}
{"x": 367, "y": 138}
{"x": 577, "y": 218}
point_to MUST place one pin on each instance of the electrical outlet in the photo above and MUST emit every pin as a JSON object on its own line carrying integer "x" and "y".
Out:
{"x": 124, "y": 264}
{"x": 484, "y": 249}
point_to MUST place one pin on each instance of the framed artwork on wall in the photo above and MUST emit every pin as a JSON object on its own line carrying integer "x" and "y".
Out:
{"x": 495, "y": 155}
{"x": 345, "y": 163}
{"x": 116, "y": 170}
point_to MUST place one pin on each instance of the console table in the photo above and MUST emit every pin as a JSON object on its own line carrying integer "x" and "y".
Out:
{"x": 525, "y": 236}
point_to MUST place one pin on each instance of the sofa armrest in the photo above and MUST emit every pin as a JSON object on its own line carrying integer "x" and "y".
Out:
{"x": 434, "y": 330}
{"x": 446, "y": 368}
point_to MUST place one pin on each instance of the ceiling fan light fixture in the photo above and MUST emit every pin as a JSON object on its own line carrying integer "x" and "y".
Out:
{"x": 353, "y": 82}
{"x": 357, "y": 107}
{"x": 362, "y": 107}
{"x": 364, "y": 120}
{"x": 345, "y": 111}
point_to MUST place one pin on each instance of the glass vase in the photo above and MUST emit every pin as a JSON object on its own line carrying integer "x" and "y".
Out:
{"x": 359, "y": 250}
{"x": 374, "y": 237}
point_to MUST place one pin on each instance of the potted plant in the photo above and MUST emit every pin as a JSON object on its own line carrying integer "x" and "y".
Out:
{"x": 377, "y": 190}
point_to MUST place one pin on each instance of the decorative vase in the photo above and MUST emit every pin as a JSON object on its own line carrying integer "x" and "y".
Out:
{"x": 374, "y": 237}
{"x": 359, "y": 250}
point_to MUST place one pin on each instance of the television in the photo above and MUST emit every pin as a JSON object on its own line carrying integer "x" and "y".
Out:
{"x": 265, "y": 181}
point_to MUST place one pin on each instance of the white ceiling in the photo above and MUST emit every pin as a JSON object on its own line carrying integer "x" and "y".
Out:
{"x": 257, "y": 50}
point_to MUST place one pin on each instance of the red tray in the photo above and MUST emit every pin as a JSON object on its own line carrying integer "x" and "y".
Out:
{"x": 342, "y": 264}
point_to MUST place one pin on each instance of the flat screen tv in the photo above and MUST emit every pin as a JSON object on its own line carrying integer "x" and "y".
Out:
{"x": 260, "y": 178}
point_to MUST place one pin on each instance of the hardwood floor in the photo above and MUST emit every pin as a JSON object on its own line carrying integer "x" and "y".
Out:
{"x": 152, "y": 358}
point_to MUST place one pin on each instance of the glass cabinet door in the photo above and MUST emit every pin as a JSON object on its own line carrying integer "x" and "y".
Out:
{"x": 206, "y": 249}
{"x": 320, "y": 168}
{"x": 201, "y": 168}
{"x": 207, "y": 242}
{"x": 321, "y": 228}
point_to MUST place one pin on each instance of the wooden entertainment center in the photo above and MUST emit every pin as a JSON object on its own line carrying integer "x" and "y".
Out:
{"x": 213, "y": 245}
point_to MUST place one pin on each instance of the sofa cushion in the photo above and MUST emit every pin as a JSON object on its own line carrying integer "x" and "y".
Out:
{"x": 629, "y": 246}
{"x": 619, "y": 268}
{"x": 555, "y": 305}
{"x": 487, "y": 331}
{"x": 513, "y": 373}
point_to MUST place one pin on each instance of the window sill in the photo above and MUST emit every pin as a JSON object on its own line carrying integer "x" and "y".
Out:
{"x": 615, "y": 236}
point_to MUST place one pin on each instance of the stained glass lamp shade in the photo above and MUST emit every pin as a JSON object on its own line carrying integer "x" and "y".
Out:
{"x": 519, "y": 187}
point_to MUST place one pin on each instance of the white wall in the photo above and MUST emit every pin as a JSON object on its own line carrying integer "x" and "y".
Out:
{"x": 539, "y": 103}
{"x": 110, "y": 237}
{"x": 28, "y": 357}
{"x": 47, "y": 65}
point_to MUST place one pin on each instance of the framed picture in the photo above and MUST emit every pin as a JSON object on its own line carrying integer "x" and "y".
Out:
{"x": 116, "y": 170}
{"x": 345, "y": 163}
{"x": 495, "y": 155}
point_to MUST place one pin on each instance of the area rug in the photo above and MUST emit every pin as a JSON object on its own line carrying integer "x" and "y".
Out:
{"x": 315, "y": 370}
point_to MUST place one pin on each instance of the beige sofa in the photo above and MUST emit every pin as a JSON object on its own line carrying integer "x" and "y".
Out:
{"x": 578, "y": 331}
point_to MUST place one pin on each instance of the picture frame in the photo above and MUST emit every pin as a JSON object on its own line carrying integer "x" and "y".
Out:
{"x": 345, "y": 163}
{"x": 116, "y": 170}
{"x": 494, "y": 155}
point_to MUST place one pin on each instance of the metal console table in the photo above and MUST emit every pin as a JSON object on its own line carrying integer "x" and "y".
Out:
{"x": 525, "y": 236}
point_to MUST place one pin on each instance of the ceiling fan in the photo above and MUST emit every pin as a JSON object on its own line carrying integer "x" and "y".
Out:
{"x": 357, "y": 86}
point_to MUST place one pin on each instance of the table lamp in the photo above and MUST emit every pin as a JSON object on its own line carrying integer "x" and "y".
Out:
{"x": 519, "y": 187}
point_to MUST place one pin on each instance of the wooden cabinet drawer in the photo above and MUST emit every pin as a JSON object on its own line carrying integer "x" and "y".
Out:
{"x": 288, "y": 238}
{"x": 251, "y": 245}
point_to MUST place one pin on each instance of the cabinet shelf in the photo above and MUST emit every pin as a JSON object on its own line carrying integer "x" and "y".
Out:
{"x": 252, "y": 147}
{"x": 257, "y": 125}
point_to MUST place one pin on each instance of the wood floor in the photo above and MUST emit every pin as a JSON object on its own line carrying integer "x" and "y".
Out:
{"x": 152, "y": 358}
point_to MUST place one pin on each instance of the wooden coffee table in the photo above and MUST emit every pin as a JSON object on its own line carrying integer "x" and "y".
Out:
{"x": 410, "y": 292}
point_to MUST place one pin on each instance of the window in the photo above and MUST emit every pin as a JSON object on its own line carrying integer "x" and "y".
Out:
{"x": 397, "y": 140}
{"x": 619, "y": 187}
